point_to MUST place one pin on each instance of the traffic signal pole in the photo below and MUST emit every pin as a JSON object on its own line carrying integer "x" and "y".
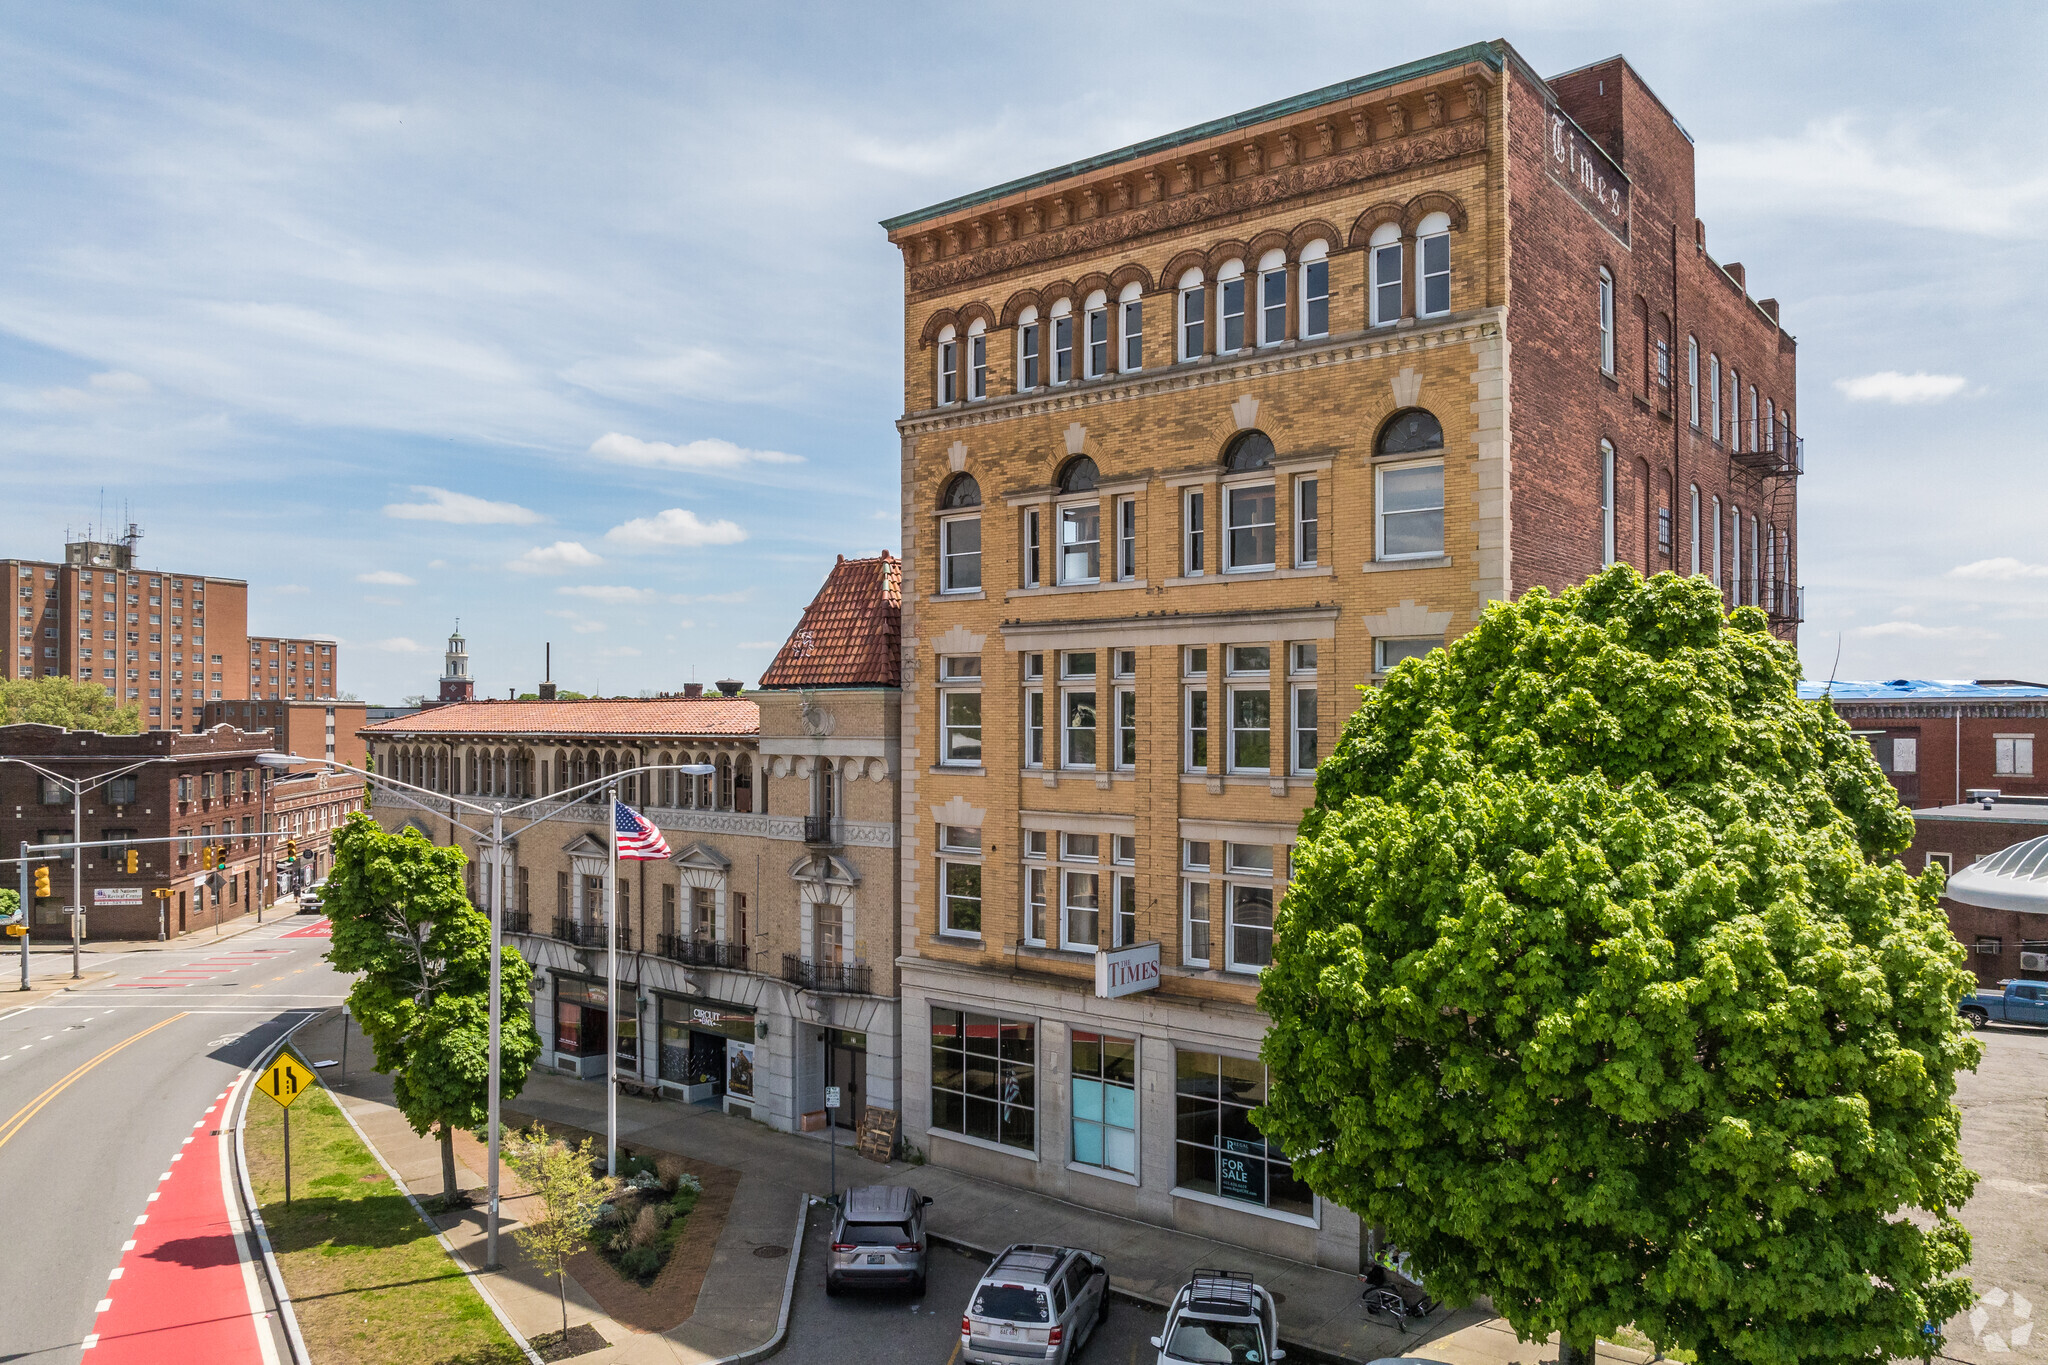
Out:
{"x": 26, "y": 917}
{"x": 77, "y": 873}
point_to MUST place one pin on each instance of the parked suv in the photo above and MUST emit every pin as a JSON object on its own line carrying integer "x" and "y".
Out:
{"x": 878, "y": 1240}
{"x": 1034, "y": 1303}
{"x": 1220, "y": 1317}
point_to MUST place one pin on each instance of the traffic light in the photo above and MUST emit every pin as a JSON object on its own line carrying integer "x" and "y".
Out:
{"x": 291, "y": 849}
{"x": 43, "y": 891}
{"x": 220, "y": 856}
{"x": 134, "y": 862}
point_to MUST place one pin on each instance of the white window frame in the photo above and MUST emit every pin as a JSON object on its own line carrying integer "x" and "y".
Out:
{"x": 1032, "y": 557}
{"x": 1037, "y": 903}
{"x": 1307, "y": 505}
{"x": 1123, "y": 923}
{"x": 2013, "y": 755}
{"x": 1063, "y": 370}
{"x": 1313, "y": 266}
{"x": 1094, "y": 315}
{"x": 1694, "y": 536}
{"x": 1231, "y": 694}
{"x": 1126, "y": 538}
{"x": 977, "y": 361}
{"x": 1190, "y": 887}
{"x": 1232, "y": 273}
{"x": 1296, "y": 730}
{"x": 1068, "y": 942}
{"x": 1692, "y": 376}
{"x": 948, "y": 689}
{"x": 1384, "y": 253}
{"x": 1714, "y": 390}
{"x": 1735, "y": 553}
{"x": 947, "y": 929}
{"x": 1606, "y": 321}
{"x": 1123, "y": 726}
{"x": 1246, "y": 880}
{"x": 1379, "y": 514}
{"x": 1264, "y": 479}
{"x": 1062, "y": 513}
{"x": 1194, "y": 522}
{"x": 949, "y": 368}
{"x": 1272, "y": 277}
{"x": 1034, "y": 727}
{"x": 1734, "y": 409}
{"x": 1030, "y": 351}
{"x": 1190, "y": 695}
{"x": 1130, "y": 311}
{"x": 948, "y": 556}
{"x": 1433, "y": 230}
{"x": 1719, "y": 582}
{"x": 1190, "y": 335}
{"x": 1607, "y": 545}
{"x": 1381, "y": 667}
{"x": 1090, "y": 687}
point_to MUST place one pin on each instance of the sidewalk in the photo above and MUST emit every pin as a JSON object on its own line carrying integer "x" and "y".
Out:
{"x": 741, "y": 1298}
{"x": 1320, "y": 1313}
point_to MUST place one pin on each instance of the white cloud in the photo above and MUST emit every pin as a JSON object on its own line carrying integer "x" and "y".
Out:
{"x": 697, "y": 455}
{"x": 2004, "y": 569}
{"x": 1890, "y": 386}
{"x": 460, "y": 509}
{"x": 389, "y": 578}
{"x": 398, "y": 644}
{"x": 579, "y": 623}
{"x": 120, "y": 382}
{"x": 290, "y": 589}
{"x": 608, "y": 592}
{"x": 1914, "y": 630}
{"x": 676, "y": 526}
{"x": 555, "y": 558}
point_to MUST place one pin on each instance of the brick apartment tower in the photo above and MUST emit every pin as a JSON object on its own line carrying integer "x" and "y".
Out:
{"x": 1198, "y": 435}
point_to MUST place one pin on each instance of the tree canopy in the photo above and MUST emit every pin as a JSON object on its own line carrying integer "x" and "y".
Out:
{"x": 66, "y": 702}
{"x": 1600, "y": 988}
{"x": 403, "y": 921}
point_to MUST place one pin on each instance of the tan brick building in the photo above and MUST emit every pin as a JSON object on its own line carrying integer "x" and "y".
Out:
{"x": 1198, "y": 436}
{"x": 759, "y": 960}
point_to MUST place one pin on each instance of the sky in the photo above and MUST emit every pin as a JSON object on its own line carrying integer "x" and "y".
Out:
{"x": 575, "y": 323}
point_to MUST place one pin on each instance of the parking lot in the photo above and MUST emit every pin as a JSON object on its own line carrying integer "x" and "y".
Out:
{"x": 894, "y": 1326}
{"x": 2005, "y": 1140}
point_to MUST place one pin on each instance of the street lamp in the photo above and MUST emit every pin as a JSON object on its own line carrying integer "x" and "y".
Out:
{"x": 497, "y": 839}
{"x": 265, "y": 765}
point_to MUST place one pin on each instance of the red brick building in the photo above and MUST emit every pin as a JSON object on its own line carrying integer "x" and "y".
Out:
{"x": 1941, "y": 740}
{"x": 207, "y": 791}
{"x": 311, "y": 729}
{"x": 1959, "y": 836}
{"x": 308, "y": 807}
{"x": 293, "y": 668}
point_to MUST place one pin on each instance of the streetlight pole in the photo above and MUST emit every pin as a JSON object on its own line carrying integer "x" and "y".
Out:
{"x": 497, "y": 938}
{"x": 611, "y": 980}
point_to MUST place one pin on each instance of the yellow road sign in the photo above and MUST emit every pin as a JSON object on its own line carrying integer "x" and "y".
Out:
{"x": 286, "y": 1080}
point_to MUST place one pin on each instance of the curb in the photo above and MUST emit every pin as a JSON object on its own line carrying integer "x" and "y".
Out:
{"x": 240, "y": 1106}
{"x": 475, "y": 1279}
{"x": 804, "y": 1203}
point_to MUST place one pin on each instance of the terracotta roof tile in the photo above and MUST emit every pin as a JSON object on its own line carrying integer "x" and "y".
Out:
{"x": 850, "y": 635}
{"x": 658, "y": 716}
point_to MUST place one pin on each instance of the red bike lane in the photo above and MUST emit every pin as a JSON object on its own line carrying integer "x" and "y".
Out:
{"x": 182, "y": 1291}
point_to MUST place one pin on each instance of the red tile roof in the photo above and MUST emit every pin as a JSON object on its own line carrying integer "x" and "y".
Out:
{"x": 663, "y": 716}
{"x": 850, "y": 635}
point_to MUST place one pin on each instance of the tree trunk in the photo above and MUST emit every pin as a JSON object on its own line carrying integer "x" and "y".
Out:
{"x": 1574, "y": 1353}
{"x": 562, "y": 1289}
{"x": 448, "y": 1190}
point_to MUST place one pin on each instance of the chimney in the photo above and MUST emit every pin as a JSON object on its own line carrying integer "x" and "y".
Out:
{"x": 693, "y": 690}
{"x": 547, "y": 691}
{"x": 1769, "y": 306}
{"x": 729, "y": 687}
{"x": 1736, "y": 273}
{"x": 511, "y": 694}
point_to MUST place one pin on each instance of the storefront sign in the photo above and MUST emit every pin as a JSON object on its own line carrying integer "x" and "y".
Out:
{"x": 1579, "y": 164}
{"x": 1126, "y": 971}
{"x": 1241, "y": 1170}
{"x": 117, "y": 895}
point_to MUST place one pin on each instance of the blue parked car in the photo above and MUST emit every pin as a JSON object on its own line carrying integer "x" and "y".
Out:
{"x": 2021, "y": 1002}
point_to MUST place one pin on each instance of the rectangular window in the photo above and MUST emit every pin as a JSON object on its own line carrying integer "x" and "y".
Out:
{"x": 1126, "y": 539}
{"x": 1315, "y": 298}
{"x": 960, "y": 554}
{"x": 1217, "y": 1149}
{"x": 1125, "y": 930}
{"x": 977, "y": 366}
{"x": 1305, "y": 755}
{"x": 2015, "y": 756}
{"x": 1693, "y": 531}
{"x": 1387, "y": 653}
{"x": 1251, "y": 927}
{"x": 1906, "y": 754}
{"x": 1410, "y": 502}
{"x": 1606, "y": 322}
{"x": 1249, "y": 535}
{"x": 1230, "y": 315}
{"x": 1123, "y": 663}
{"x": 1034, "y": 665}
{"x": 1435, "y": 251}
{"x": 1692, "y": 379}
{"x": 1081, "y": 910}
{"x": 1027, "y": 357}
{"x": 1272, "y": 307}
{"x": 1196, "y": 748}
{"x": 949, "y": 372}
{"x": 1126, "y": 727}
{"x": 1098, "y": 342}
{"x": 1086, "y": 848}
{"x": 1034, "y": 728}
{"x": 1134, "y": 335}
{"x": 1989, "y": 946}
{"x": 1243, "y": 660}
{"x": 1192, "y": 528}
{"x": 1031, "y": 574}
{"x": 1105, "y": 1090}
{"x": 1386, "y": 284}
{"x": 961, "y": 743}
{"x": 1251, "y": 733}
{"x": 1194, "y": 932}
{"x": 1192, "y": 304}
{"x": 962, "y": 911}
{"x": 1062, "y": 349}
{"x": 1077, "y": 664}
{"x": 984, "y": 1081}
{"x": 1081, "y": 543}
{"x": 1034, "y": 905}
{"x": 960, "y": 838}
{"x": 1077, "y": 726}
{"x": 1307, "y": 523}
{"x": 1301, "y": 659}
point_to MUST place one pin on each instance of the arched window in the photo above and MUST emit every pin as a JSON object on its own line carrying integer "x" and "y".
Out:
{"x": 949, "y": 366}
{"x": 1692, "y": 377}
{"x": 1385, "y": 248}
{"x": 1433, "y": 259}
{"x": 960, "y": 536}
{"x": 1230, "y": 308}
{"x": 1714, "y": 391}
{"x": 743, "y": 784}
{"x": 1247, "y": 451}
{"x": 668, "y": 780}
{"x": 725, "y": 781}
{"x": 1030, "y": 364}
{"x": 1063, "y": 341}
{"x": 1095, "y": 325}
{"x": 1734, "y": 408}
{"x": 1130, "y": 305}
{"x": 1695, "y": 528}
{"x": 1715, "y": 508}
{"x": 1606, "y": 503}
{"x": 1410, "y": 432}
{"x": 1273, "y": 298}
{"x": 961, "y": 491}
{"x": 977, "y": 358}
{"x": 1078, "y": 475}
{"x": 1315, "y": 289}
{"x": 1193, "y": 306}
{"x": 1606, "y": 320}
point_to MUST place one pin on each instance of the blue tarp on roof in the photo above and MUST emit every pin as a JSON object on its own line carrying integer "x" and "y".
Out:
{"x": 1919, "y": 689}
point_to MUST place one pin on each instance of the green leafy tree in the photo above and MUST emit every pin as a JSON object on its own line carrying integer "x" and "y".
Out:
{"x": 1600, "y": 988}
{"x": 10, "y": 900}
{"x": 402, "y": 920}
{"x": 570, "y": 1190}
{"x": 66, "y": 702}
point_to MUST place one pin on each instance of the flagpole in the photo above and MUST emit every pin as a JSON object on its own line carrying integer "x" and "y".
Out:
{"x": 611, "y": 981}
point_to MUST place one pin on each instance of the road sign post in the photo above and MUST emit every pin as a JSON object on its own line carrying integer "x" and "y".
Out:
{"x": 27, "y": 905}
{"x": 832, "y": 1135}
{"x": 284, "y": 1082}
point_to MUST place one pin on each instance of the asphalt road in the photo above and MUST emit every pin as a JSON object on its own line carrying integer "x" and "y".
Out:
{"x": 103, "y": 1093}
{"x": 894, "y": 1326}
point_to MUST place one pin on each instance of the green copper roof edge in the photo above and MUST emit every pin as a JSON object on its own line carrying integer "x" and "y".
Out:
{"x": 1488, "y": 53}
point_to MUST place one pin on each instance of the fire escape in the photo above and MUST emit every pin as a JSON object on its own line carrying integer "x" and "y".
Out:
{"x": 1764, "y": 464}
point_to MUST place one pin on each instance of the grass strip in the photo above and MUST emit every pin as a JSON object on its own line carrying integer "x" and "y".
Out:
{"x": 368, "y": 1279}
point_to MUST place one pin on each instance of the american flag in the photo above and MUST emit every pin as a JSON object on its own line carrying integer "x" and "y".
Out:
{"x": 639, "y": 840}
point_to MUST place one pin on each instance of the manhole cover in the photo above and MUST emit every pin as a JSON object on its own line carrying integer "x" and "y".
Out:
{"x": 771, "y": 1253}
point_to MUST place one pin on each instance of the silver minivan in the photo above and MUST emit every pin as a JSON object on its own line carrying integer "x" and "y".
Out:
{"x": 1034, "y": 1303}
{"x": 878, "y": 1240}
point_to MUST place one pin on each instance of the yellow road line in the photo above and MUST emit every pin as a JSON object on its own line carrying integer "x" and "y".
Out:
{"x": 35, "y": 1106}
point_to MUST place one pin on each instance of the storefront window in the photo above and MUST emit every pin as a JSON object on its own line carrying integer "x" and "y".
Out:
{"x": 1105, "y": 1102}
{"x": 1217, "y": 1149}
{"x": 704, "y": 1042}
{"x": 579, "y": 1017}
{"x": 983, "y": 1077}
